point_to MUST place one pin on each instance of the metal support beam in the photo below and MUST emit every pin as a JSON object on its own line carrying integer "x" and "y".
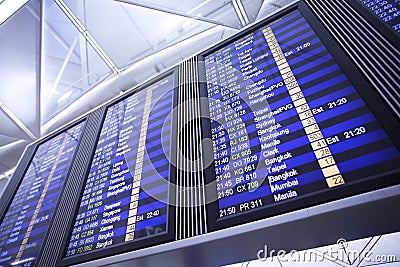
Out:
{"x": 243, "y": 10}
{"x": 9, "y": 8}
{"x": 140, "y": 57}
{"x": 39, "y": 68}
{"x": 175, "y": 12}
{"x": 275, "y": 5}
{"x": 240, "y": 12}
{"x": 16, "y": 121}
{"x": 136, "y": 26}
{"x": 52, "y": 31}
{"x": 64, "y": 65}
{"x": 86, "y": 34}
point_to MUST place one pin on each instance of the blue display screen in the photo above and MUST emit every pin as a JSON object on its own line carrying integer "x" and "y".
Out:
{"x": 24, "y": 227}
{"x": 387, "y": 11}
{"x": 126, "y": 192}
{"x": 285, "y": 120}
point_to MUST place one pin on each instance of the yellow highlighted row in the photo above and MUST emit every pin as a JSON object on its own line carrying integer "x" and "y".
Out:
{"x": 130, "y": 228}
{"x": 325, "y": 159}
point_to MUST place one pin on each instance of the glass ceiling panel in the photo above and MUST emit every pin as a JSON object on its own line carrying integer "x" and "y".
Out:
{"x": 219, "y": 12}
{"x": 252, "y": 8}
{"x": 269, "y": 7}
{"x": 70, "y": 66}
{"x": 129, "y": 32}
{"x": 156, "y": 63}
{"x": 19, "y": 61}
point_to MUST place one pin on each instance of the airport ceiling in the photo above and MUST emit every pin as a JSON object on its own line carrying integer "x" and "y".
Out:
{"x": 61, "y": 58}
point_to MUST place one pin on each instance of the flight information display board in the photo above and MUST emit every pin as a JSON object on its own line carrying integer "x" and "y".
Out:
{"x": 23, "y": 229}
{"x": 286, "y": 122}
{"x": 387, "y": 11}
{"x": 126, "y": 196}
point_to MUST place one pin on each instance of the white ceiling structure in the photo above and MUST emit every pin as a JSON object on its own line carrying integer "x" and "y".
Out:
{"x": 61, "y": 58}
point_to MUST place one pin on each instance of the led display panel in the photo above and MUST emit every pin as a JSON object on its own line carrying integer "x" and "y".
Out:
{"x": 288, "y": 126}
{"x": 126, "y": 193}
{"x": 386, "y": 11}
{"x": 24, "y": 226}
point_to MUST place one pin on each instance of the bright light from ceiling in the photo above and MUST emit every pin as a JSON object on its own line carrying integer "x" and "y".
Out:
{"x": 9, "y": 7}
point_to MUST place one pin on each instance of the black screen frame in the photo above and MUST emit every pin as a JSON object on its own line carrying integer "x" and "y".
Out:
{"x": 157, "y": 239}
{"x": 16, "y": 179}
{"x": 384, "y": 116}
{"x": 23, "y": 167}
